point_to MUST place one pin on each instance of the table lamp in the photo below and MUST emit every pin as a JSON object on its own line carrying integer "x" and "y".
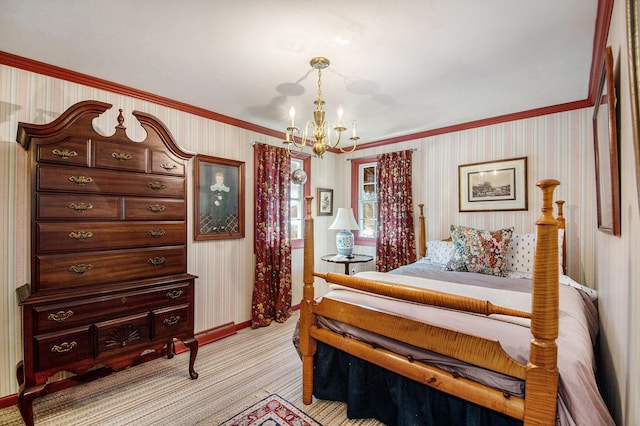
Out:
{"x": 345, "y": 221}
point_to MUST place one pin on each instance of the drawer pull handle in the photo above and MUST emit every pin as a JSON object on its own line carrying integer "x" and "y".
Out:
{"x": 156, "y": 208}
{"x": 80, "y": 269}
{"x": 168, "y": 166}
{"x": 156, "y": 261}
{"x": 64, "y": 347}
{"x": 81, "y": 180}
{"x": 156, "y": 232}
{"x": 64, "y": 153}
{"x": 80, "y": 235}
{"x": 80, "y": 207}
{"x": 122, "y": 156}
{"x": 172, "y": 320}
{"x": 156, "y": 185}
{"x": 174, "y": 294}
{"x": 60, "y": 316}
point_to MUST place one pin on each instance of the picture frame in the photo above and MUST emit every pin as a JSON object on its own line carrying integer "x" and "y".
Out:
{"x": 325, "y": 202}
{"x": 605, "y": 142}
{"x": 493, "y": 186}
{"x": 633, "y": 43}
{"x": 218, "y": 198}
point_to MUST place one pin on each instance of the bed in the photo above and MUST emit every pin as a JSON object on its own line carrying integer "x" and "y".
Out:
{"x": 455, "y": 347}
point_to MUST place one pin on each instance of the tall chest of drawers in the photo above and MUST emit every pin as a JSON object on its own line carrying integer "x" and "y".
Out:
{"x": 109, "y": 280}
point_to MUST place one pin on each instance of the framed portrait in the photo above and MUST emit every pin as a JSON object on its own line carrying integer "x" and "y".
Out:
{"x": 219, "y": 198}
{"x": 493, "y": 186}
{"x": 605, "y": 142}
{"x": 325, "y": 202}
{"x": 633, "y": 36}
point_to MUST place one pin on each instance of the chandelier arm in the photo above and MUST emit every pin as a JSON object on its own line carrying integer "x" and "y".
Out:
{"x": 353, "y": 148}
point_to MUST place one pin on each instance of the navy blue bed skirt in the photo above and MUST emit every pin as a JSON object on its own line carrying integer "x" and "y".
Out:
{"x": 373, "y": 392}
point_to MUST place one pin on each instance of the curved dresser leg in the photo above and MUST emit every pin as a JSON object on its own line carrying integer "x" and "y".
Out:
{"x": 192, "y": 344}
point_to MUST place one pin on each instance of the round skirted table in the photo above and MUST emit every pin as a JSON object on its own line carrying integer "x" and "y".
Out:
{"x": 346, "y": 261}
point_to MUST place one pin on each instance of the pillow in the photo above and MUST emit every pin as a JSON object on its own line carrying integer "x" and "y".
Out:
{"x": 521, "y": 250}
{"x": 439, "y": 252}
{"x": 479, "y": 251}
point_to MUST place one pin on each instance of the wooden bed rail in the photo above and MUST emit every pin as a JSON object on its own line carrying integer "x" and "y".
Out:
{"x": 423, "y": 296}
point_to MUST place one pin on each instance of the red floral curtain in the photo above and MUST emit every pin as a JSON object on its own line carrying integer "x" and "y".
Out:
{"x": 272, "y": 243}
{"x": 395, "y": 245}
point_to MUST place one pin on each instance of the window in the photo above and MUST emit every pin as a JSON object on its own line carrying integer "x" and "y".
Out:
{"x": 364, "y": 199}
{"x": 297, "y": 201}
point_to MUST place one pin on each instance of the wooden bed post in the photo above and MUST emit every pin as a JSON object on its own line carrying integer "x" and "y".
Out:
{"x": 541, "y": 389}
{"x": 422, "y": 242}
{"x": 307, "y": 318}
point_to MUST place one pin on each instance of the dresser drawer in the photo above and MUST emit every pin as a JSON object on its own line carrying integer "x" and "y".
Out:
{"x": 82, "y": 236}
{"x": 64, "y": 348}
{"x": 71, "y": 151}
{"x": 91, "y": 269}
{"x": 154, "y": 209}
{"x": 70, "y": 314}
{"x": 123, "y": 334}
{"x": 78, "y": 207}
{"x": 93, "y": 180}
{"x": 118, "y": 156}
{"x": 161, "y": 162}
{"x": 170, "y": 322}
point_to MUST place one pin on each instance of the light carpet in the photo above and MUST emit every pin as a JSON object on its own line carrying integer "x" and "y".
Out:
{"x": 234, "y": 373}
{"x": 271, "y": 411}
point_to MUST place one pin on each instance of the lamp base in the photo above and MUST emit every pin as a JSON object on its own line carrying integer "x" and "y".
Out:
{"x": 344, "y": 243}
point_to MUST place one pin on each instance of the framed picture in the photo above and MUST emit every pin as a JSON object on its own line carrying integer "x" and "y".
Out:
{"x": 633, "y": 35}
{"x": 219, "y": 198}
{"x": 605, "y": 142}
{"x": 493, "y": 186}
{"x": 325, "y": 202}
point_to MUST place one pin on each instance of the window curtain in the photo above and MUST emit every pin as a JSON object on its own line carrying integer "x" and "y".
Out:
{"x": 272, "y": 242}
{"x": 395, "y": 244}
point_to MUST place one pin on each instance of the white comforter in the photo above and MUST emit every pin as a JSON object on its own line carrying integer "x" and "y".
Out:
{"x": 579, "y": 401}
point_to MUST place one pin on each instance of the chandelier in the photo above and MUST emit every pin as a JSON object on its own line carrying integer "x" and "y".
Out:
{"x": 318, "y": 128}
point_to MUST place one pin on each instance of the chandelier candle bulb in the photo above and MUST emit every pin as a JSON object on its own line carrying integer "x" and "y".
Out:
{"x": 292, "y": 115}
{"x": 354, "y": 129}
{"x": 340, "y": 112}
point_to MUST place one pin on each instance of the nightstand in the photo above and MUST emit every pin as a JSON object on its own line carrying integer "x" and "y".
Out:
{"x": 356, "y": 258}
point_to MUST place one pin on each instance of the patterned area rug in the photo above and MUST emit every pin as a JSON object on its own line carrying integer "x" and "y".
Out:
{"x": 271, "y": 411}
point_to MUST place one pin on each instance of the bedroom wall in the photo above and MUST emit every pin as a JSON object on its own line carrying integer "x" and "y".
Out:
{"x": 617, "y": 272}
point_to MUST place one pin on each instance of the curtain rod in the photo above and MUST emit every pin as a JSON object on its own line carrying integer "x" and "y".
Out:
{"x": 365, "y": 156}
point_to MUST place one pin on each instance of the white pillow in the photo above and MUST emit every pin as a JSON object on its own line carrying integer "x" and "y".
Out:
{"x": 439, "y": 252}
{"x": 521, "y": 251}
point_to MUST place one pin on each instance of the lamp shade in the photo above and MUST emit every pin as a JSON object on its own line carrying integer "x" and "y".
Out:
{"x": 345, "y": 220}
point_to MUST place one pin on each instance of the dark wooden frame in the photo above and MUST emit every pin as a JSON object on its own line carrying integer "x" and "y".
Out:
{"x": 633, "y": 36}
{"x": 321, "y": 211}
{"x": 205, "y": 168}
{"x": 605, "y": 142}
{"x": 515, "y": 168}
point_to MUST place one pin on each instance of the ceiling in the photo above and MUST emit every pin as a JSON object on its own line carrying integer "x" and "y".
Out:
{"x": 399, "y": 68}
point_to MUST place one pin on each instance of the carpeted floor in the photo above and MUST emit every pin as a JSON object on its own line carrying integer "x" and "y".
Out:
{"x": 235, "y": 373}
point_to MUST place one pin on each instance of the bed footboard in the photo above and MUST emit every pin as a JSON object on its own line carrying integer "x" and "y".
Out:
{"x": 540, "y": 374}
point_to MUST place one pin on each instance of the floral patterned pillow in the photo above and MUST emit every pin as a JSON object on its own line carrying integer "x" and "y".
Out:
{"x": 479, "y": 251}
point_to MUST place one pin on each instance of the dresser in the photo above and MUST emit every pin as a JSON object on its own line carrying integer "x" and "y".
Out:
{"x": 109, "y": 284}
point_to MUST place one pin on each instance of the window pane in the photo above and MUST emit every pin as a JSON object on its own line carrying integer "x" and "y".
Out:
{"x": 296, "y": 209}
{"x": 369, "y": 174}
{"x": 296, "y": 229}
